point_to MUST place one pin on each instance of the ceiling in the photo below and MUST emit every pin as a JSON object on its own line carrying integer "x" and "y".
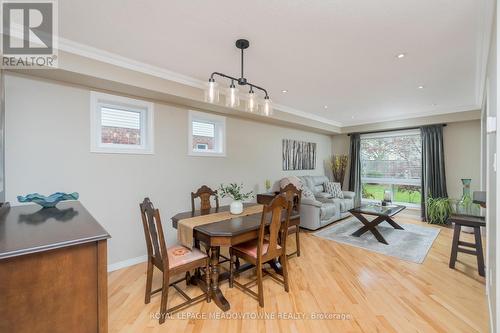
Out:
{"x": 338, "y": 53}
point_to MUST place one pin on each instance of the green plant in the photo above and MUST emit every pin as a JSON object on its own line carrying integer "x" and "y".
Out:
{"x": 365, "y": 193}
{"x": 234, "y": 191}
{"x": 438, "y": 210}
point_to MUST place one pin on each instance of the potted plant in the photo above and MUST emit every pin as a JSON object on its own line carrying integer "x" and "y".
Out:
{"x": 338, "y": 165}
{"x": 234, "y": 191}
{"x": 438, "y": 210}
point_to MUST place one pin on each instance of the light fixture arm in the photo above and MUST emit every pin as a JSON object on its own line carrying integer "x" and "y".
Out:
{"x": 239, "y": 81}
{"x": 242, "y": 44}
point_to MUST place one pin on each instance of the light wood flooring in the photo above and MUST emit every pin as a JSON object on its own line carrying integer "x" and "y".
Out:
{"x": 361, "y": 291}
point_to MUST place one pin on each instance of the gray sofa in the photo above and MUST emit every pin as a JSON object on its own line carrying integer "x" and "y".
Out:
{"x": 323, "y": 210}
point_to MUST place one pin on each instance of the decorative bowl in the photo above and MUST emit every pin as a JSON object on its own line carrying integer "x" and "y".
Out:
{"x": 50, "y": 201}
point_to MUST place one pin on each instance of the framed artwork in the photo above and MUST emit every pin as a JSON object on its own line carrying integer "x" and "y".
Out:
{"x": 298, "y": 155}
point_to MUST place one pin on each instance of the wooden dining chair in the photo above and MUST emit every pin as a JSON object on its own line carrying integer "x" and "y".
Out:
{"x": 265, "y": 248}
{"x": 294, "y": 195}
{"x": 170, "y": 261}
{"x": 204, "y": 193}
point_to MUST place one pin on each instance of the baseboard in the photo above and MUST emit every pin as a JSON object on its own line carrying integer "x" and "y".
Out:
{"x": 489, "y": 300}
{"x": 127, "y": 263}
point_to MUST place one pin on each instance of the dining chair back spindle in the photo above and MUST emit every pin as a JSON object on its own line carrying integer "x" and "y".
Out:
{"x": 295, "y": 196}
{"x": 205, "y": 193}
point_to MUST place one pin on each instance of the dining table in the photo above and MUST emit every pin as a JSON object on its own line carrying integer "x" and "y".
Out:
{"x": 224, "y": 233}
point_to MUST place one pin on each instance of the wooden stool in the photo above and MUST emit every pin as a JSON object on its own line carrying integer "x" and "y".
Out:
{"x": 475, "y": 248}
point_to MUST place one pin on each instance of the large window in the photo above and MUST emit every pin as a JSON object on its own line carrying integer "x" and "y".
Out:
{"x": 206, "y": 134}
{"x": 392, "y": 161}
{"x": 121, "y": 125}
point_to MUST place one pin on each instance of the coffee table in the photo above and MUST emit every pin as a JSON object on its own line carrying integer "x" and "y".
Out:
{"x": 382, "y": 213}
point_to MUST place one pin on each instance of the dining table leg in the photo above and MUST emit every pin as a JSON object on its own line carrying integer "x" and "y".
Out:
{"x": 216, "y": 293}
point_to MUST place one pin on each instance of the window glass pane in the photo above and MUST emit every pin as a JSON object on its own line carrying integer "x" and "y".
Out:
{"x": 392, "y": 163}
{"x": 120, "y": 126}
{"x": 203, "y": 129}
{"x": 203, "y": 136}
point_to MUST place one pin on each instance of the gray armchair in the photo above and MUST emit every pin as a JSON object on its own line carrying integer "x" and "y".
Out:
{"x": 323, "y": 210}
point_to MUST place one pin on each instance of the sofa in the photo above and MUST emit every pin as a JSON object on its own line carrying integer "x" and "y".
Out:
{"x": 323, "y": 209}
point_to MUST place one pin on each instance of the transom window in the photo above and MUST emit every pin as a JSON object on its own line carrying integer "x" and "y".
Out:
{"x": 392, "y": 161}
{"x": 206, "y": 134}
{"x": 121, "y": 125}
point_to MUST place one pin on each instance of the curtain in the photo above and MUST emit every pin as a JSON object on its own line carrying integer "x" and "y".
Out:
{"x": 355, "y": 168}
{"x": 433, "y": 172}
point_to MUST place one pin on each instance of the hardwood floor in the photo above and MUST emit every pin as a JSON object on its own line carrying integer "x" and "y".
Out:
{"x": 375, "y": 293}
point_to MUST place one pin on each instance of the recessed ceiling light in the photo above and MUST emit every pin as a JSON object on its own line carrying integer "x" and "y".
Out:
{"x": 421, "y": 87}
{"x": 284, "y": 91}
{"x": 325, "y": 107}
{"x": 400, "y": 55}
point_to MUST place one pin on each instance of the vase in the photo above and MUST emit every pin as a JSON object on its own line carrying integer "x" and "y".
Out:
{"x": 464, "y": 205}
{"x": 236, "y": 207}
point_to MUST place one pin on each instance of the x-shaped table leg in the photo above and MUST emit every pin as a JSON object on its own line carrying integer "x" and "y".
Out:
{"x": 371, "y": 226}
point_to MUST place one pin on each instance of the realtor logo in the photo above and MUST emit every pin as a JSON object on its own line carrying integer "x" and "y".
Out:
{"x": 29, "y": 34}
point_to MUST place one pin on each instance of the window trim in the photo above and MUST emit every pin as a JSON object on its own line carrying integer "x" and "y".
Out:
{"x": 146, "y": 110}
{"x": 220, "y": 133}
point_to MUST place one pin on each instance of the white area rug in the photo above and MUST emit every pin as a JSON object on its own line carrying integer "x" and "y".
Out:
{"x": 411, "y": 244}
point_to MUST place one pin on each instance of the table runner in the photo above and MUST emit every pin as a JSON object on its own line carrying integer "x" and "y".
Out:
{"x": 185, "y": 226}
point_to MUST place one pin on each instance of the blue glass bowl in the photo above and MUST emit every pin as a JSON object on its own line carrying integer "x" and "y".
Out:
{"x": 50, "y": 201}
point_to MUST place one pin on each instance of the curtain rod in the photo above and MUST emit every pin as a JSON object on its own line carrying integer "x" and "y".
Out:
{"x": 393, "y": 130}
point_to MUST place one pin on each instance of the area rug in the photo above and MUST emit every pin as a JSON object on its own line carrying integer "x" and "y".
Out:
{"x": 411, "y": 244}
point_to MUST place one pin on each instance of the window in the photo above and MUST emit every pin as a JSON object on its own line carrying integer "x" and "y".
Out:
{"x": 207, "y": 134}
{"x": 392, "y": 161}
{"x": 120, "y": 125}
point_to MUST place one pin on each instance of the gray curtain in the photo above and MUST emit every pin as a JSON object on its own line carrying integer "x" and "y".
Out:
{"x": 355, "y": 168}
{"x": 433, "y": 172}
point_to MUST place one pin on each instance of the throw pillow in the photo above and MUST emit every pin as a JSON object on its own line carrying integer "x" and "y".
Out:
{"x": 334, "y": 189}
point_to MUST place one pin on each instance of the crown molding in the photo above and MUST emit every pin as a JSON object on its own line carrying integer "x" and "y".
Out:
{"x": 141, "y": 67}
{"x": 117, "y": 60}
{"x": 307, "y": 115}
{"x": 415, "y": 115}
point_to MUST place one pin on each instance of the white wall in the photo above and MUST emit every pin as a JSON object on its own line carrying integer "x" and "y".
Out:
{"x": 47, "y": 150}
{"x": 490, "y": 105}
{"x": 462, "y": 155}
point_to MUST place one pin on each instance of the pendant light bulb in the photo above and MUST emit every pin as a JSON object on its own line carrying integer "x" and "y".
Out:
{"x": 232, "y": 97}
{"x": 212, "y": 92}
{"x": 267, "y": 108}
{"x": 252, "y": 101}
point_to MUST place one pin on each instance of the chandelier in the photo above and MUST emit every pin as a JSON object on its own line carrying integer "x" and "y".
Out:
{"x": 253, "y": 104}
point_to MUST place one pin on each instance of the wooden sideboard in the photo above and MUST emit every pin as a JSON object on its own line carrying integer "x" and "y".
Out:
{"x": 53, "y": 270}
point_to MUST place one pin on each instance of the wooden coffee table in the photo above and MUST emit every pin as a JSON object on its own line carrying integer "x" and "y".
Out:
{"x": 382, "y": 213}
